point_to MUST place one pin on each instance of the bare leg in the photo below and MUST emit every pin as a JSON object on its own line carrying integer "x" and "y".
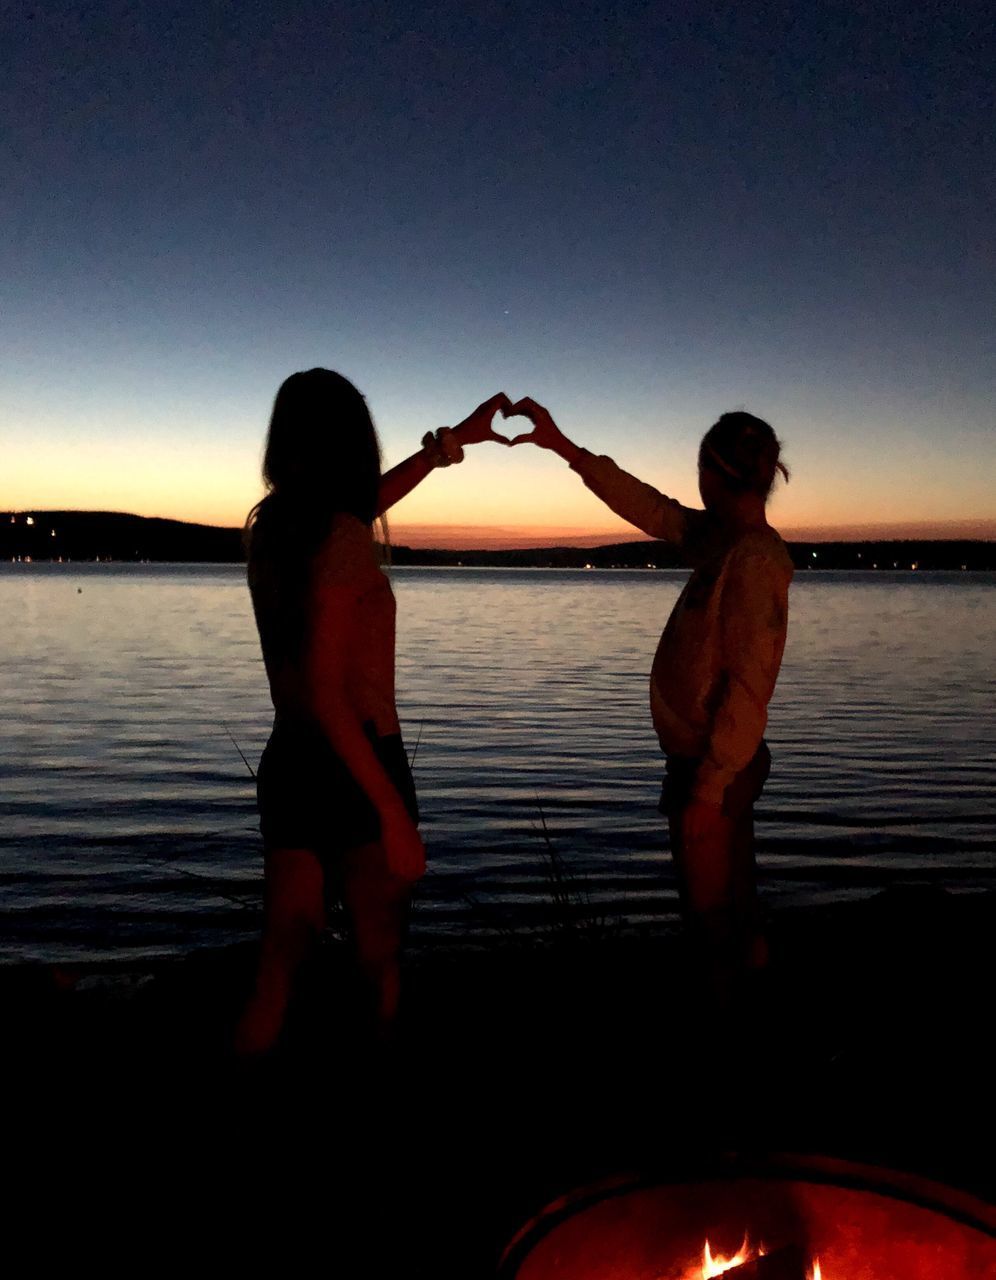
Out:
{"x": 294, "y": 916}
{"x": 753, "y": 943}
{"x": 718, "y": 881}
{"x": 706, "y": 879}
{"x": 377, "y": 906}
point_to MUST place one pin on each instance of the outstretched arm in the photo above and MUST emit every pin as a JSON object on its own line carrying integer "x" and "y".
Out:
{"x": 641, "y": 504}
{"x": 402, "y": 479}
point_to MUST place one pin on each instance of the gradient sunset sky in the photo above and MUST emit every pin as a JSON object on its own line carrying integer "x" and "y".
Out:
{"x": 640, "y": 214}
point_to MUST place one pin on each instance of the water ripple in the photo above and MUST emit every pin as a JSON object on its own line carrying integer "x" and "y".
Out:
{"x": 128, "y": 817}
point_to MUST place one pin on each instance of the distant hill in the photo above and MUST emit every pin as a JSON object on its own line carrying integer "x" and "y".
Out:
{"x": 110, "y": 535}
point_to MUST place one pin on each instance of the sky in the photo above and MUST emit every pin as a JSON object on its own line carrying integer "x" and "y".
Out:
{"x": 640, "y": 214}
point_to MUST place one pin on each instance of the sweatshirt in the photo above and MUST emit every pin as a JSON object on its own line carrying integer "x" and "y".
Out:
{"x": 717, "y": 661}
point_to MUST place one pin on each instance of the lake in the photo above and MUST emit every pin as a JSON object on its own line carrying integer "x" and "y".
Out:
{"x": 127, "y": 815}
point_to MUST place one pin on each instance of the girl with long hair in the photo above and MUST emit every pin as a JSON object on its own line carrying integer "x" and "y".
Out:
{"x": 714, "y": 671}
{"x": 337, "y": 805}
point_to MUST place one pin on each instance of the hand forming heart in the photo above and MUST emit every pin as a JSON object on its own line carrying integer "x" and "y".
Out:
{"x": 477, "y": 426}
{"x": 545, "y": 432}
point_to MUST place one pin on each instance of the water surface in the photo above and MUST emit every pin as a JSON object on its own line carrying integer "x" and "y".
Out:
{"x": 128, "y": 822}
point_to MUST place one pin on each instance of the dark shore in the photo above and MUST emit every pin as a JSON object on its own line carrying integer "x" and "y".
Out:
{"x": 523, "y": 1070}
{"x": 118, "y": 536}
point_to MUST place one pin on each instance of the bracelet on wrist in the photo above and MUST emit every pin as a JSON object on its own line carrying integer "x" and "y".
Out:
{"x": 442, "y": 447}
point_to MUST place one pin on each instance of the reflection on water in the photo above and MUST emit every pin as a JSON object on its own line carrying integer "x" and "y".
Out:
{"x": 128, "y": 820}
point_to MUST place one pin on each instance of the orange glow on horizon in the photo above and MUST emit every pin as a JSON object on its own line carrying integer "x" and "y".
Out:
{"x": 493, "y": 500}
{"x": 459, "y": 537}
{"x": 492, "y": 538}
{"x": 980, "y": 529}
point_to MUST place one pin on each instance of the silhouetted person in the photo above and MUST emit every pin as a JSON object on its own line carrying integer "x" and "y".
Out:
{"x": 336, "y": 798}
{"x": 715, "y": 667}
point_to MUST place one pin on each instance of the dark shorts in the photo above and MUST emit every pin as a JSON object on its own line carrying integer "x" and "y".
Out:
{"x": 739, "y": 797}
{"x": 308, "y": 799}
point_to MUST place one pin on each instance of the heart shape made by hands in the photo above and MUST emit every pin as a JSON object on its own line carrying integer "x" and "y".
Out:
{"x": 521, "y": 409}
{"x": 496, "y": 435}
{"x": 478, "y": 425}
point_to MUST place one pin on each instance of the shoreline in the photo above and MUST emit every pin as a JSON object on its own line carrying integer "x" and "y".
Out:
{"x": 122, "y": 538}
{"x": 513, "y": 938}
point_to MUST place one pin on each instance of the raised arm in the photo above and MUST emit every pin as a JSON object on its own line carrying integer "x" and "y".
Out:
{"x": 402, "y": 479}
{"x": 439, "y": 450}
{"x": 641, "y": 504}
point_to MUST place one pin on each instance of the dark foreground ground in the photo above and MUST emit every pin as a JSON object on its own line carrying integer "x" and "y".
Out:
{"x": 524, "y": 1070}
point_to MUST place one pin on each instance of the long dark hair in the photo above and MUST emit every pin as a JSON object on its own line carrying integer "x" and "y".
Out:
{"x": 322, "y": 457}
{"x": 744, "y": 452}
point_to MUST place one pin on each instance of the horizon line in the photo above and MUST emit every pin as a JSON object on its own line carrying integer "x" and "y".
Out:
{"x": 462, "y": 537}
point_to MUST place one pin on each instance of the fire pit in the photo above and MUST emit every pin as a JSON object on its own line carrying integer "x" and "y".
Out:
{"x": 793, "y": 1219}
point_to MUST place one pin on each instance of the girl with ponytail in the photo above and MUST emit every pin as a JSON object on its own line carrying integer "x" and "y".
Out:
{"x": 714, "y": 671}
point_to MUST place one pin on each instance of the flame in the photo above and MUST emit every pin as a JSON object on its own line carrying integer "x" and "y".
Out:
{"x": 716, "y": 1266}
